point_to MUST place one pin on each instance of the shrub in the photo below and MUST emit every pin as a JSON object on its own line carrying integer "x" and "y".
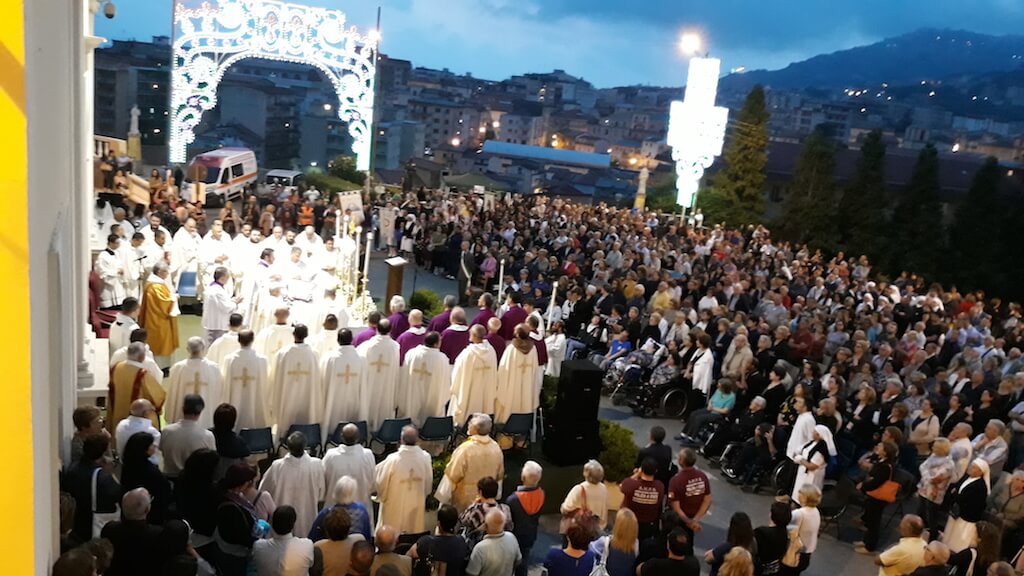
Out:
{"x": 618, "y": 452}
{"x": 426, "y": 301}
{"x": 438, "y": 464}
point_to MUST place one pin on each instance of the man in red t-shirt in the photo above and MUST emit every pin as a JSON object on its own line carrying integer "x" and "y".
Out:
{"x": 644, "y": 496}
{"x": 689, "y": 492}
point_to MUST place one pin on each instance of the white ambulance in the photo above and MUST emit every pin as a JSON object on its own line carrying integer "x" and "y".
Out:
{"x": 219, "y": 175}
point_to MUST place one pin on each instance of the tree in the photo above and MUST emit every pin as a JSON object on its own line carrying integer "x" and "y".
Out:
{"x": 917, "y": 220}
{"x": 976, "y": 249}
{"x": 738, "y": 186}
{"x": 809, "y": 206}
{"x": 344, "y": 167}
{"x": 861, "y": 216}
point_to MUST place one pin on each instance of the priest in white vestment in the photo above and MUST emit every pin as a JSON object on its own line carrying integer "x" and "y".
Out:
{"x": 300, "y": 278}
{"x": 404, "y": 479}
{"x": 478, "y": 457}
{"x": 268, "y": 301}
{"x": 297, "y": 480}
{"x": 555, "y": 343}
{"x": 274, "y": 338}
{"x": 126, "y": 322}
{"x": 298, "y": 398}
{"x": 246, "y": 384}
{"x": 326, "y": 340}
{"x": 227, "y": 344}
{"x": 426, "y": 382}
{"x": 474, "y": 378}
{"x": 516, "y": 377}
{"x": 381, "y": 355}
{"x": 345, "y": 383}
{"x": 215, "y": 250}
{"x": 196, "y": 375}
{"x": 327, "y": 306}
{"x": 354, "y": 460}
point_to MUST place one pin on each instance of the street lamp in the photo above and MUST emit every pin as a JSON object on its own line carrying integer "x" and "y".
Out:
{"x": 690, "y": 43}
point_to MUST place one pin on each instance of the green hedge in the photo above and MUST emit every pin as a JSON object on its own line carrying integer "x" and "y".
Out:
{"x": 618, "y": 452}
{"x": 427, "y": 301}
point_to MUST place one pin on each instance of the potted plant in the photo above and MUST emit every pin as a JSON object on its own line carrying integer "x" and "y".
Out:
{"x": 618, "y": 456}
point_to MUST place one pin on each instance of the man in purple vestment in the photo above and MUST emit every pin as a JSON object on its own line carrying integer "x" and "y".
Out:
{"x": 486, "y": 305}
{"x": 399, "y": 320}
{"x": 372, "y": 319}
{"x": 497, "y": 342}
{"x": 514, "y": 317}
{"x": 538, "y": 340}
{"x": 456, "y": 337}
{"x": 441, "y": 322}
{"x": 412, "y": 337}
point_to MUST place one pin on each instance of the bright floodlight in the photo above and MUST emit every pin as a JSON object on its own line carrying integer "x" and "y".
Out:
{"x": 690, "y": 43}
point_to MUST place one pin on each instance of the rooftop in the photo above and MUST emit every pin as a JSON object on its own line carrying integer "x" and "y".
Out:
{"x": 552, "y": 155}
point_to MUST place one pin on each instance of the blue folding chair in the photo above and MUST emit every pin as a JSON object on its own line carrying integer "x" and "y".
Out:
{"x": 390, "y": 433}
{"x": 520, "y": 428}
{"x": 187, "y": 285}
{"x": 258, "y": 440}
{"x": 312, "y": 434}
{"x": 364, "y": 436}
{"x": 438, "y": 429}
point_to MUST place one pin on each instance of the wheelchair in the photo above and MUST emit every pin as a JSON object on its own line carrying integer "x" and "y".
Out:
{"x": 671, "y": 400}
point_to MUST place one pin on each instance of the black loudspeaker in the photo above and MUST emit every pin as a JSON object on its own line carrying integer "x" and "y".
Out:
{"x": 571, "y": 433}
{"x": 571, "y": 443}
{"x": 579, "y": 392}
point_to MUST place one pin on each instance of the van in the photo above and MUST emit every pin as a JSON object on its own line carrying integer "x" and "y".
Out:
{"x": 290, "y": 179}
{"x": 222, "y": 174}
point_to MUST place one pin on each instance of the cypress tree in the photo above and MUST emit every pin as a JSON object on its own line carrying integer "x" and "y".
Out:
{"x": 810, "y": 205}
{"x": 976, "y": 249}
{"x": 917, "y": 220}
{"x": 861, "y": 216}
{"x": 738, "y": 187}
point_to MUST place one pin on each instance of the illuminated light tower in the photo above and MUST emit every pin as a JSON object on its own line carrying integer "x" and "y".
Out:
{"x": 696, "y": 128}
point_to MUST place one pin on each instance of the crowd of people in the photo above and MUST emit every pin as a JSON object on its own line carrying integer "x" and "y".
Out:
{"x": 793, "y": 360}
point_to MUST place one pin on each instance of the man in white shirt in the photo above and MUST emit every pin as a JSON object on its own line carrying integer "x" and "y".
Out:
{"x": 110, "y": 268}
{"x": 283, "y": 554}
{"x": 138, "y": 420}
{"x": 126, "y": 322}
{"x": 218, "y": 305}
{"x": 185, "y": 436}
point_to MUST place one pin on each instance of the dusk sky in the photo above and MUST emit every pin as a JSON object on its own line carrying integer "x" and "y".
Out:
{"x": 617, "y": 42}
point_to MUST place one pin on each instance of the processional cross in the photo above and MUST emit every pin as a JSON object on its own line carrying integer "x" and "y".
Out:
{"x": 696, "y": 128}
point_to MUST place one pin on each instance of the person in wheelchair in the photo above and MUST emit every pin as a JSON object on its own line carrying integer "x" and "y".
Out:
{"x": 592, "y": 338}
{"x": 641, "y": 360}
{"x": 718, "y": 409}
{"x": 755, "y": 457}
{"x": 738, "y": 429}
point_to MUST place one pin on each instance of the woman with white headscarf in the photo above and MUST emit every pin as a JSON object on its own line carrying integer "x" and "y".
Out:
{"x": 813, "y": 458}
{"x": 969, "y": 497}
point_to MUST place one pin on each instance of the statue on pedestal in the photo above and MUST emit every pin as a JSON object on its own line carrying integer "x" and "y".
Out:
{"x": 641, "y": 190}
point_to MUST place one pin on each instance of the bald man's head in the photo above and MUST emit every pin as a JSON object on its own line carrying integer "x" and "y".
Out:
{"x": 141, "y": 408}
{"x": 458, "y": 315}
{"x": 494, "y": 325}
{"x": 386, "y": 538}
{"x": 477, "y": 334}
{"x": 495, "y": 522}
{"x": 416, "y": 318}
{"x": 135, "y": 504}
{"x": 281, "y": 315}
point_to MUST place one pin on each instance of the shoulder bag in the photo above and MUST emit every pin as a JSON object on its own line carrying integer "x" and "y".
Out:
{"x": 792, "y": 556}
{"x": 888, "y": 490}
{"x": 101, "y": 519}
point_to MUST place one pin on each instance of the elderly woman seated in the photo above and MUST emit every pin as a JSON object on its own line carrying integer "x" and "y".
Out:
{"x": 718, "y": 408}
{"x": 739, "y": 429}
{"x": 1005, "y": 508}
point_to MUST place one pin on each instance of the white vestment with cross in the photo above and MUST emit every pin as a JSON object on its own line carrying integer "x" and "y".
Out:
{"x": 474, "y": 379}
{"x": 297, "y": 392}
{"x": 517, "y": 383}
{"x": 381, "y": 354}
{"x": 404, "y": 480}
{"x": 346, "y": 388}
{"x": 193, "y": 376}
{"x": 246, "y": 386}
{"x": 425, "y": 385}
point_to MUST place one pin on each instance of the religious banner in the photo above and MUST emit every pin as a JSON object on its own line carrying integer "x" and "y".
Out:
{"x": 352, "y": 203}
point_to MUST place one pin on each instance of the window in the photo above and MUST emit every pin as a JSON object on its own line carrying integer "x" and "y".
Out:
{"x": 224, "y": 177}
{"x": 237, "y": 170}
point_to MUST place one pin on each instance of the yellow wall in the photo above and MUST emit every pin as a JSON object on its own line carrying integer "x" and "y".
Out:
{"x": 16, "y": 498}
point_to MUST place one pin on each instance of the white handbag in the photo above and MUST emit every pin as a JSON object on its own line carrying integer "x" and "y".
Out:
{"x": 101, "y": 519}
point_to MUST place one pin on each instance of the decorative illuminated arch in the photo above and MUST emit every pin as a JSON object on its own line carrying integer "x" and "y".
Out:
{"x": 696, "y": 129}
{"x": 219, "y": 33}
